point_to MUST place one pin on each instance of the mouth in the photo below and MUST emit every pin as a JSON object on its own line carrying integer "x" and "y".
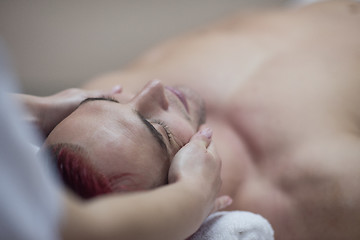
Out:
{"x": 180, "y": 95}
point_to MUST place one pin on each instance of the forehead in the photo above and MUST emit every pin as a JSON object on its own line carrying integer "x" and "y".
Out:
{"x": 109, "y": 130}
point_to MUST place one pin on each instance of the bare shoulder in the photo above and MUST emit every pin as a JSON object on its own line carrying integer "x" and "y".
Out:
{"x": 323, "y": 185}
{"x": 302, "y": 50}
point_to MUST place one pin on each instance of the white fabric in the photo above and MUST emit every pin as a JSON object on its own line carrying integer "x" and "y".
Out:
{"x": 234, "y": 225}
{"x": 29, "y": 195}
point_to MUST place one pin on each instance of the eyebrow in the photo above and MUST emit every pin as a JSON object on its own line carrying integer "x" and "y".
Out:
{"x": 104, "y": 98}
{"x": 157, "y": 135}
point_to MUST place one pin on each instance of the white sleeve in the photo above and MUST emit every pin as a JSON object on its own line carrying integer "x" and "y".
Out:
{"x": 30, "y": 200}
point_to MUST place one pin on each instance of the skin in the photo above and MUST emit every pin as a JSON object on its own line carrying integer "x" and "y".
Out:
{"x": 194, "y": 171}
{"x": 46, "y": 112}
{"x": 131, "y": 216}
{"x": 287, "y": 127}
{"x": 282, "y": 95}
{"x": 132, "y": 158}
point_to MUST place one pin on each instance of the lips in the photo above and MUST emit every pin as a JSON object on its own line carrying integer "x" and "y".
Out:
{"x": 180, "y": 95}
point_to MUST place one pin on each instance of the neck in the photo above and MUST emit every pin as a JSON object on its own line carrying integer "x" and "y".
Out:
{"x": 236, "y": 164}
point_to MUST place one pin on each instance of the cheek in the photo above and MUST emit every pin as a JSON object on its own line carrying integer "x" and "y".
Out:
{"x": 182, "y": 131}
{"x": 152, "y": 175}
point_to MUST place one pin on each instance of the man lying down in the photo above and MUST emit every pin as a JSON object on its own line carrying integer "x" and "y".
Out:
{"x": 281, "y": 90}
{"x": 134, "y": 136}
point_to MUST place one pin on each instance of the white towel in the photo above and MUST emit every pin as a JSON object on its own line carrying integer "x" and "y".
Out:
{"x": 234, "y": 225}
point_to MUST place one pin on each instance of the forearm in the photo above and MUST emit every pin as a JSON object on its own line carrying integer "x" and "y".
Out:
{"x": 171, "y": 212}
{"x": 174, "y": 211}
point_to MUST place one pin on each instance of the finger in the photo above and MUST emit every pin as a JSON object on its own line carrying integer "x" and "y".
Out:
{"x": 203, "y": 136}
{"x": 116, "y": 89}
{"x": 212, "y": 150}
{"x": 221, "y": 203}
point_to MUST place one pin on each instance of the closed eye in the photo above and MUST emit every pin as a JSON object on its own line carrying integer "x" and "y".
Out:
{"x": 165, "y": 127}
{"x": 159, "y": 138}
{"x": 171, "y": 137}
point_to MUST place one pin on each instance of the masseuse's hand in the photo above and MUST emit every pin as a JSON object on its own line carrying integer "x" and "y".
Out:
{"x": 47, "y": 112}
{"x": 199, "y": 165}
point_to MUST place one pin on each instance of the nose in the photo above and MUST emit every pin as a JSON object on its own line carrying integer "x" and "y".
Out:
{"x": 151, "y": 98}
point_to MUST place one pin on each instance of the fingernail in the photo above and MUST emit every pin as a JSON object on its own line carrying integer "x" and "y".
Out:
{"x": 229, "y": 201}
{"x": 207, "y": 132}
{"x": 116, "y": 89}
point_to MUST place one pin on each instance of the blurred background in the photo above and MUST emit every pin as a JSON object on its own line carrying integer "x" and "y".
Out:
{"x": 57, "y": 44}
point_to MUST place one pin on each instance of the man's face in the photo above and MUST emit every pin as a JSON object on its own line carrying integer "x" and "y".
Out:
{"x": 131, "y": 139}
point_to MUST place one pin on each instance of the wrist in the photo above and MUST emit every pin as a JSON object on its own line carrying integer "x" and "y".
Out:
{"x": 35, "y": 109}
{"x": 200, "y": 191}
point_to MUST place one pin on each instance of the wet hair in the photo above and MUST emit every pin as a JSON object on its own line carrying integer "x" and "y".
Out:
{"x": 77, "y": 174}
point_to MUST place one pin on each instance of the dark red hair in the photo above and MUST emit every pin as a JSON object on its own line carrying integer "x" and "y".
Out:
{"x": 77, "y": 174}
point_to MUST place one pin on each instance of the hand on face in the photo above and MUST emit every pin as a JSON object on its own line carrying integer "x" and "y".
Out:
{"x": 131, "y": 138}
{"x": 58, "y": 106}
{"x": 199, "y": 165}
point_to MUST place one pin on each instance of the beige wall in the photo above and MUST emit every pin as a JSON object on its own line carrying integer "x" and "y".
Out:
{"x": 56, "y": 44}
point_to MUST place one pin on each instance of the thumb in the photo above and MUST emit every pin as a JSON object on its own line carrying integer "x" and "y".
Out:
{"x": 221, "y": 203}
{"x": 204, "y": 136}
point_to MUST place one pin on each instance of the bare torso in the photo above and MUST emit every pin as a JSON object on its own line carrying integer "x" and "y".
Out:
{"x": 283, "y": 95}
